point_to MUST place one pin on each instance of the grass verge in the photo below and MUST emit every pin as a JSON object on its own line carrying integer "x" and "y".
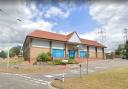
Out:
{"x": 30, "y": 69}
{"x": 116, "y": 78}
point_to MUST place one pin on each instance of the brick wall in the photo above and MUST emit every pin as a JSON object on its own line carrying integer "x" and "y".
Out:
{"x": 92, "y": 54}
{"x": 35, "y": 51}
{"x": 100, "y": 55}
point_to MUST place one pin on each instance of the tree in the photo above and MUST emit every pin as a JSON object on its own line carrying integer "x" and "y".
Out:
{"x": 3, "y": 54}
{"x": 126, "y": 49}
{"x": 14, "y": 51}
{"x": 119, "y": 50}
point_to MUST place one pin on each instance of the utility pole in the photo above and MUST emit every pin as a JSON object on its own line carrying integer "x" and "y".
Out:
{"x": 101, "y": 35}
{"x": 125, "y": 35}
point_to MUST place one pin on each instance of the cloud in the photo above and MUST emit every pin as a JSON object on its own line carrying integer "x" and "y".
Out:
{"x": 13, "y": 31}
{"x": 112, "y": 18}
{"x": 56, "y": 12}
{"x": 42, "y": 25}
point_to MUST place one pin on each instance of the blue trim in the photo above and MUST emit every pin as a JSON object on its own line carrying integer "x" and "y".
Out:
{"x": 58, "y": 53}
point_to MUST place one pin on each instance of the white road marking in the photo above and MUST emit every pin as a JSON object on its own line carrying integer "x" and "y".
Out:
{"x": 88, "y": 70}
{"x": 49, "y": 85}
{"x": 49, "y": 76}
{"x": 74, "y": 71}
{"x": 98, "y": 67}
{"x": 58, "y": 74}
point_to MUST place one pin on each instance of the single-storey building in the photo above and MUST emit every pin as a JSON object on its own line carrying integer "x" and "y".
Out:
{"x": 60, "y": 46}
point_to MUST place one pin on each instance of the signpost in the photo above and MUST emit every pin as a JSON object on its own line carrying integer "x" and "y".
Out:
{"x": 87, "y": 63}
{"x": 80, "y": 70}
{"x": 64, "y": 64}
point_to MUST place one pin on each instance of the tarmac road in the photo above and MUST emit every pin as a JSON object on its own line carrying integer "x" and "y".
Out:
{"x": 15, "y": 81}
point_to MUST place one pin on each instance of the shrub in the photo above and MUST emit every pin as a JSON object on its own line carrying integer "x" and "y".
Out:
{"x": 57, "y": 62}
{"x": 49, "y": 56}
{"x": 71, "y": 58}
{"x": 50, "y": 62}
{"x": 42, "y": 57}
{"x": 72, "y": 61}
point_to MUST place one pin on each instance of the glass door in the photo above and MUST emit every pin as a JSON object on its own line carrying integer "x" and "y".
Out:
{"x": 72, "y": 53}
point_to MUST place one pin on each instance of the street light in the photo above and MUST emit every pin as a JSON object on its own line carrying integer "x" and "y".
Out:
{"x": 1, "y": 10}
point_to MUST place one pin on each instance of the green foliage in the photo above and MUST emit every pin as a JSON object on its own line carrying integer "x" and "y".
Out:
{"x": 3, "y": 54}
{"x": 123, "y": 51}
{"x": 50, "y": 62}
{"x": 49, "y": 56}
{"x": 14, "y": 51}
{"x": 71, "y": 58}
{"x": 126, "y": 48}
{"x": 43, "y": 57}
{"x": 72, "y": 62}
{"x": 119, "y": 50}
{"x": 57, "y": 62}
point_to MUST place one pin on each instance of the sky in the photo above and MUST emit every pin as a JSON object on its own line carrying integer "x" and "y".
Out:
{"x": 20, "y": 17}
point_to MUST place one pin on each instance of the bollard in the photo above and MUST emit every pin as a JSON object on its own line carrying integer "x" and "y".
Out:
{"x": 80, "y": 70}
{"x": 63, "y": 80}
{"x": 87, "y": 66}
{"x": 63, "y": 77}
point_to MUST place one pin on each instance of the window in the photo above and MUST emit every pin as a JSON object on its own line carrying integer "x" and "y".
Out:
{"x": 57, "y": 53}
{"x": 83, "y": 54}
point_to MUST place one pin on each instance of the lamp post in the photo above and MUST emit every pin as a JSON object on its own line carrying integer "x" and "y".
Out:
{"x": 78, "y": 47}
{"x": 64, "y": 64}
{"x": 8, "y": 59}
{"x": 1, "y": 10}
{"x": 87, "y": 62}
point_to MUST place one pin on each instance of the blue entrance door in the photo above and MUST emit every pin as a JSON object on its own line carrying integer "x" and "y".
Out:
{"x": 72, "y": 53}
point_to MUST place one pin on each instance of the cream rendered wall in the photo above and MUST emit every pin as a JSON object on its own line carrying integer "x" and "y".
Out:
{"x": 40, "y": 43}
{"x": 57, "y": 45}
{"x": 74, "y": 39}
{"x": 99, "y": 49}
{"x": 83, "y": 47}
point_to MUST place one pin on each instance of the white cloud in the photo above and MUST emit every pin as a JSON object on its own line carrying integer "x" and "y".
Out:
{"x": 89, "y": 35}
{"x": 113, "y": 18}
{"x": 12, "y": 31}
{"x": 56, "y": 12}
{"x": 42, "y": 25}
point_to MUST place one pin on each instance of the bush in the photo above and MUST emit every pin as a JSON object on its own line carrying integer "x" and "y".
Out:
{"x": 72, "y": 61}
{"x": 71, "y": 58}
{"x": 42, "y": 57}
{"x": 49, "y": 56}
{"x": 50, "y": 62}
{"x": 57, "y": 62}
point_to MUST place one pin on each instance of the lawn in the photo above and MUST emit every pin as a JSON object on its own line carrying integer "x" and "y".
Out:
{"x": 112, "y": 79}
{"x": 30, "y": 69}
{"x": 22, "y": 67}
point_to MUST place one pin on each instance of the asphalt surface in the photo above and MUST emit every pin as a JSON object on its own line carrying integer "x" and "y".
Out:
{"x": 42, "y": 81}
{"x": 15, "y": 81}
